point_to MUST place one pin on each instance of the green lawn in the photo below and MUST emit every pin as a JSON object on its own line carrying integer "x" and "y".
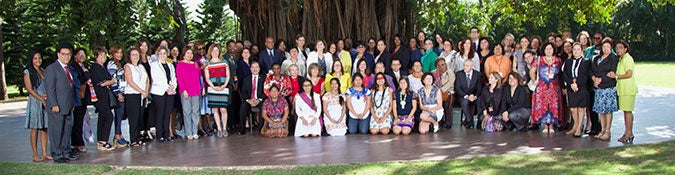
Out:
{"x": 655, "y": 74}
{"x": 657, "y": 158}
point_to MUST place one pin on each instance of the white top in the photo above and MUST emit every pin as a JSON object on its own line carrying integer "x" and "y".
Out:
{"x": 285, "y": 66}
{"x": 450, "y": 59}
{"x": 313, "y": 57}
{"x": 138, "y": 76}
{"x": 415, "y": 83}
{"x": 358, "y": 100}
{"x": 459, "y": 62}
{"x": 159, "y": 82}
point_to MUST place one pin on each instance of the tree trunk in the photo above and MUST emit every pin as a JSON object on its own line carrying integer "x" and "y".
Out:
{"x": 178, "y": 13}
{"x": 3, "y": 82}
{"x": 321, "y": 19}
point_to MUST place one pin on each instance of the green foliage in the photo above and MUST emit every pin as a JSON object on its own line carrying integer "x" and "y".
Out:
{"x": 215, "y": 23}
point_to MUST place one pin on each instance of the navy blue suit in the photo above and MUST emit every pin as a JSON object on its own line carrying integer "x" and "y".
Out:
{"x": 266, "y": 60}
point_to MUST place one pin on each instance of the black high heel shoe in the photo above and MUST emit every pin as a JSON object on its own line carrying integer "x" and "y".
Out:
{"x": 628, "y": 140}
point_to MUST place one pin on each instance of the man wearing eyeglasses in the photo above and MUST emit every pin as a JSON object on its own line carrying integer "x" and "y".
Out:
{"x": 59, "y": 88}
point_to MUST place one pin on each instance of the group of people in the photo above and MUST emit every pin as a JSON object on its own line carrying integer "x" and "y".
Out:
{"x": 332, "y": 89}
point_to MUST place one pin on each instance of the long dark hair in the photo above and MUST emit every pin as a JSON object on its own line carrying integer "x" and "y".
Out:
{"x": 311, "y": 92}
{"x": 407, "y": 89}
{"x": 32, "y": 72}
{"x": 375, "y": 85}
{"x": 337, "y": 80}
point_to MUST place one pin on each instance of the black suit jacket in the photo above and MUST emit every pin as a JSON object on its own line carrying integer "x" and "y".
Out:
{"x": 266, "y": 60}
{"x": 60, "y": 91}
{"x": 583, "y": 74}
{"x": 393, "y": 76}
{"x": 402, "y": 55}
{"x": 461, "y": 88}
{"x": 247, "y": 87}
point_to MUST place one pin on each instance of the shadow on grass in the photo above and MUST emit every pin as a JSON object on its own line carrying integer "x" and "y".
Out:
{"x": 657, "y": 158}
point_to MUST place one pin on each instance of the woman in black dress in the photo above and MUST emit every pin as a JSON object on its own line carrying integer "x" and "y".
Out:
{"x": 575, "y": 75}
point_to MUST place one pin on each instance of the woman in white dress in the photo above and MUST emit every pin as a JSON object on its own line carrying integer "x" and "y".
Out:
{"x": 308, "y": 111}
{"x": 335, "y": 112}
{"x": 380, "y": 122}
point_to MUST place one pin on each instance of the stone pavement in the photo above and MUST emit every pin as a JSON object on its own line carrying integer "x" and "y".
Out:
{"x": 653, "y": 123}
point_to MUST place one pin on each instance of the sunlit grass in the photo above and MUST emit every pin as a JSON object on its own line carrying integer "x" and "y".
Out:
{"x": 657, "y": 158}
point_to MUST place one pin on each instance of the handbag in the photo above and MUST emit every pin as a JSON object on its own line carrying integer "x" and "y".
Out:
{"x": 113, "y": 99}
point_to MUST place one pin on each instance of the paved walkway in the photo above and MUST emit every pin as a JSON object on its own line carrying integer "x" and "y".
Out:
{"x": 654, "y": 123}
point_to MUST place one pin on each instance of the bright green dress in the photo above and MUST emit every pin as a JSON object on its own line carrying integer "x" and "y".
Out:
{"x": 626, "y": 88}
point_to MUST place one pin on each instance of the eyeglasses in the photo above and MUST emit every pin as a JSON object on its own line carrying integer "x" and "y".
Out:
{"x": 200, "y": 48}
{"x": 598, "y": 38}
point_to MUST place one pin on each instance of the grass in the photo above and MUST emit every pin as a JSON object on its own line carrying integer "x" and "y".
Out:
{"x": 655, "y": 74}
{"x": 656, "y": 158}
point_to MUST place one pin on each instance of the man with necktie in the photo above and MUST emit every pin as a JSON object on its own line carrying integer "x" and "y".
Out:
{"x": 60, "y": 103}
{"x": 468, "y": 88}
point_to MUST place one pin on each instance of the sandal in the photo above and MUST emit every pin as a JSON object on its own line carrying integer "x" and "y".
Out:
{"x": 47, "y": 157}
{"x": 38, "y": 159}
{"x": 105, "y": 146}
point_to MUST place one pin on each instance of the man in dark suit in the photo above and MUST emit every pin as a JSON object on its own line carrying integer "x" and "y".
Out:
{"x": 468, "y": 87}
{"x": 60, "y": 103}
{"x": 252, "y": 94}
{"x": 269, "y": 56}
{"x": 396, "y": 72}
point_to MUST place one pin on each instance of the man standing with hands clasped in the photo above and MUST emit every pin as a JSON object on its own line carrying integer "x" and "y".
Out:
{"x": 60, "y": 102}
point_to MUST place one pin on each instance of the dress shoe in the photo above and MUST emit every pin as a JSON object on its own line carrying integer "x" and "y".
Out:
{"x": 241, "y": 132}
{"x": 72, "y": 157}
{"x": 170, "y": 139}
{"x": 61, "y": 160}
{"x": 161, "y": 140}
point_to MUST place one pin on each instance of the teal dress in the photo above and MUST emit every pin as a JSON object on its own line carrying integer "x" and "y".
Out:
{"x": 35, "y": 113}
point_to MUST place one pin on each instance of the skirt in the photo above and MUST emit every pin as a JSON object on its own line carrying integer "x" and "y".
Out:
{"x": 438, "y": 115}
{"x": 335, "y": 129}
{"x": 493, "y": 123}
{"x": 605, "y": 101}
{"x": 627, "y": 102}
{"x": 402, "y": 122}
{"x": 218, "y": 99}
{"x": 272, "y": 131}
{"x": 385, "y": 124}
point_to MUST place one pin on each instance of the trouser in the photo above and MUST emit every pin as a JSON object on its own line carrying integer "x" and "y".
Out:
{"x": 190, "y": 115}
{"x": 467, "y": 110}
{"x": 119, "y": 114}
{"x": 520, "y": 118}
{"x": 595, "y": 119}
{"x": 447, "y": 107}
{"x": 244, "y": 112}
{"x": 358, "y": 125}
{"x": 163, "y": 105}
{"x": 134, "y": 112}
{"x": 76, "y": 138}
{"x": 59, "y": 133}
{"x": 235, "y": 103}
{"x": 105, "y": 121}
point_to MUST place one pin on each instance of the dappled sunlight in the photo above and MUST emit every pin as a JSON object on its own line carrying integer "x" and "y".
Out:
{"x": 660, "y": 131}
{"x": 526, "y": 150}
{"x": 447, "y": 146}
